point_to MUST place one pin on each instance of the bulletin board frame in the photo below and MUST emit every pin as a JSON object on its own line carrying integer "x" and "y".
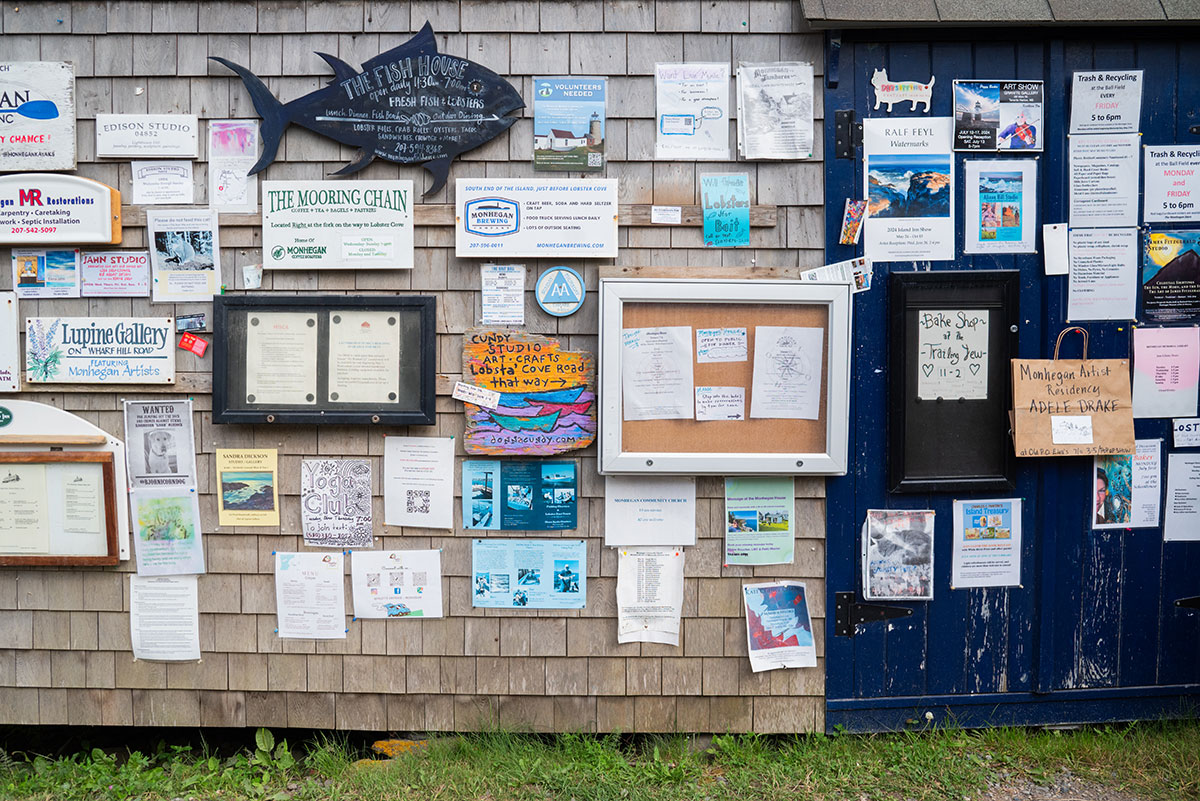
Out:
{"x": 230, "y": 367}
{"x": 972, "y": 449}
{"x": 814, "y": 447}
{"x": 107, "y": 506}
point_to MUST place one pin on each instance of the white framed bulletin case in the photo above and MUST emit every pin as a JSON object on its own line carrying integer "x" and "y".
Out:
{"x": 814, "y": 442}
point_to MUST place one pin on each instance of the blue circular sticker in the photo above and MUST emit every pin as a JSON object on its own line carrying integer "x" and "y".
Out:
{"x": 559, "y": 291}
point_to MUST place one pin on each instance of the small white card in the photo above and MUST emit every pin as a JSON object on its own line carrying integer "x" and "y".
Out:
{"x": 480, "y": 396}
{"x": 666, "y": 215}
{"x": 1071, "y": 429}
{"x": 1054, "y": 243}
{"x": 720, "y": 403}
{"x": 720, "y": 345}
{"x": 1187, "y": 432}
{"x": 162, "y": 182}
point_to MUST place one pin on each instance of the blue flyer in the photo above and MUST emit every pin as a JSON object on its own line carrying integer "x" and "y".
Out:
{"x": 529, "y": 574}
{"x": 726, "y": 201}
{"x": 568, "y": 124}
{"x": 519, "y": 496}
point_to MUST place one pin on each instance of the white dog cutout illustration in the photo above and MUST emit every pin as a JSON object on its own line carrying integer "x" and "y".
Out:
{"x": 892, "y": 93}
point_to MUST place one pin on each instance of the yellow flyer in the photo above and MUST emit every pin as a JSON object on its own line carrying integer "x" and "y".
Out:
{"x": 249, "y": 496}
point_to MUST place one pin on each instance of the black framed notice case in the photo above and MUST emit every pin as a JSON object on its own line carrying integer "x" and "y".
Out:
{"x": 324, "y": 359}
{"x": 952, "y": 334}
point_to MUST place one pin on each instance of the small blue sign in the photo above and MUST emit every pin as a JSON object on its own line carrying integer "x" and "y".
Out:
{"x": 492, "y": 216}
{"x": 726, "y": 202}
{"x": 559, "y": 291}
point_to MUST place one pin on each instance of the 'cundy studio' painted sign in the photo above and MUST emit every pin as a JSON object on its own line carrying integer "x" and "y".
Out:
{"x": 99, "y": 350}
{"x": 37, "y": 115}
{"x": 411, "y": 105}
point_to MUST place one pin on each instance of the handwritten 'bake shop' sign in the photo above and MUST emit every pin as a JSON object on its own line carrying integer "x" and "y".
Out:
{"x": 37, "y": 116}
{"x": 45, "y": 208}
{"x": 411, "y": 105}
{"x": 99, "y": 350}
{"x": 161, "y": 135}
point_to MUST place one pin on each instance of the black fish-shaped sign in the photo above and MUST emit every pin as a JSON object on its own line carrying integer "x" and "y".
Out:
{"x": 410, "y": 105}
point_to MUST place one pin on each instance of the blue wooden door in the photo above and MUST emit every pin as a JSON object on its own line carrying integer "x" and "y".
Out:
{"x": 1094, "y": 633}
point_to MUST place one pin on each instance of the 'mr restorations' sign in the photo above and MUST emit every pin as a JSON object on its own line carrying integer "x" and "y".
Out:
{"x": 51, "y": 209}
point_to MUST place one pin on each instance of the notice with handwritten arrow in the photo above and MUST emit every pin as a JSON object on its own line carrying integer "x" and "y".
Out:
{"x": 952, "y": 354}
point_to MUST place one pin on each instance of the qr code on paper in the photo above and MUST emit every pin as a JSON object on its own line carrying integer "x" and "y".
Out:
{"x": 419, "y": 578}
{"x": 418, "y": 502}
{"x": 595, "y": 159}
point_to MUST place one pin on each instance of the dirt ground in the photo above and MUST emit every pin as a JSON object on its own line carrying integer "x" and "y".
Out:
{"x": 1064, "y": 787}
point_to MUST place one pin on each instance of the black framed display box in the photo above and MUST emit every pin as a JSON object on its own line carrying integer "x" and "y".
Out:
{"x": 324, "y": 359}
{"x": 952, "y": 334}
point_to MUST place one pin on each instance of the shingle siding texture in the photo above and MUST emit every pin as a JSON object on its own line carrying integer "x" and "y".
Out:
{"x": 64, "y": 634}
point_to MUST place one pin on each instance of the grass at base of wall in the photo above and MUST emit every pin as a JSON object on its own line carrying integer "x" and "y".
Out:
{"x": 1152, "y": 760}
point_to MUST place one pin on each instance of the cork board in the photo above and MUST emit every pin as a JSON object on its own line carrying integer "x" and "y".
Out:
{"x": 729, "y": 436}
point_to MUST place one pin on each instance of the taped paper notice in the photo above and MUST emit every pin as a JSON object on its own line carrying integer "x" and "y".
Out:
{"x": 666, "y": 215}
{"x": 1071, "y": 429}
{"x": 469, "y": 393}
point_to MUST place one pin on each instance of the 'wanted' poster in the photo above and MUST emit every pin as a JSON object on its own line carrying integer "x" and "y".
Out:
{"x": 909, "y": 187}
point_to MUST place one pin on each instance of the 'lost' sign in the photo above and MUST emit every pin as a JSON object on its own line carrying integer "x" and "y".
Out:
{"x": 37, "y": 116}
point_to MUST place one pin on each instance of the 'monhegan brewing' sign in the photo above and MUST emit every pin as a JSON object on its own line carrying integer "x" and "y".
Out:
{"x": 99, "y": 350}
{"x": 337, "y": 225}
{"x": 37, "y": 116}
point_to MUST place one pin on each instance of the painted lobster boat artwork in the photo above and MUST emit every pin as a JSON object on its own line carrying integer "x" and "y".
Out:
{"x": 547, "y": 394}
{"x": 411, "y": 105}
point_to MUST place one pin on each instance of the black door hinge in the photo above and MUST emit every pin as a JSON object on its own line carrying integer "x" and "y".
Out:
{"x": 848, "y": 134}
{"x": 849, "y": 613}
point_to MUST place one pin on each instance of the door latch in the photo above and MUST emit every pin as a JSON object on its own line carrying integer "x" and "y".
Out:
{"x": 849, "y": 613}
{"x": 1188, "y": 603}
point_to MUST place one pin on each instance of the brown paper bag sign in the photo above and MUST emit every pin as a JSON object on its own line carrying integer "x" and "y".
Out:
{"x": 1071, "y": 407}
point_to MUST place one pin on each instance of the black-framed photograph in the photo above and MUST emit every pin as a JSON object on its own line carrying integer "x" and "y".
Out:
{"x": 952, "y": 335}
{"x": 324, "y": 359}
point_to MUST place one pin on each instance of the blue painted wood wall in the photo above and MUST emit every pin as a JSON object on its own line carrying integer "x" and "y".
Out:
{"x": 1094, "y": 633}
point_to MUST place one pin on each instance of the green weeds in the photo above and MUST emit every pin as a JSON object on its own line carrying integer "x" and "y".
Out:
{"x": 1152, "y": 760}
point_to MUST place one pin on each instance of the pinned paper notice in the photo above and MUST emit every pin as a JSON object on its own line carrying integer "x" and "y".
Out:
{"x": 480, "y": 396}
{"x": 666, "y": 215}
{"x": 720, "y": 345}
{"x": 252, "y": 276}
{"x": 1054, "y": 243}
{"x": 1187, "y": 432}
{"x": 195, "y": 344}
{"x": 1071, "y": 429}
{"x": 720, "y": 403}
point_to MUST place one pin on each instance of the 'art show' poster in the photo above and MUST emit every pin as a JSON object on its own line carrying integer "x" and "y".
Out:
{"x": 909, "y": 187}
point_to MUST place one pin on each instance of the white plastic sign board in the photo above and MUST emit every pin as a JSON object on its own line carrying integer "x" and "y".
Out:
{"x": 100, "y": 350}
{"x": 567, "y": 218}
{"x": 337, "y": 225}
{"x": 10, "y": 346}
{"x": 139, "y": 135}
{"x": 37, "y": 116}
{"x": 51, "y": 209}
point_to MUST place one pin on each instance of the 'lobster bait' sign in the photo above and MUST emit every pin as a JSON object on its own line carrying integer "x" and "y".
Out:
{"x": 99, "y": 350}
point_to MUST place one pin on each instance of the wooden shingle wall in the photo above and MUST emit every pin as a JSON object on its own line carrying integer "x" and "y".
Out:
{"x": 64, "y": 634}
